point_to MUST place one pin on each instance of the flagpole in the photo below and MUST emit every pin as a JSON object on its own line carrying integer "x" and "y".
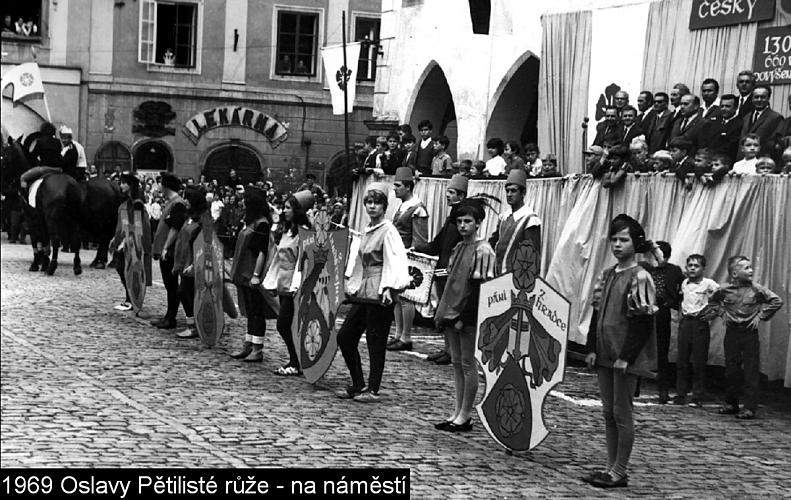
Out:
{"x": 345, "y": 96}
{"x": 46, "y": 107}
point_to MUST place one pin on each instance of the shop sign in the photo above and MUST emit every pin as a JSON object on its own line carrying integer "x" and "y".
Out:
{"x": 772, "y": 56}
{"x": 236, "y": 116}
{"x": 714, "y": 13}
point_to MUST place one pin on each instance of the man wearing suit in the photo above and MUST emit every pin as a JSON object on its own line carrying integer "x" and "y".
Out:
{"x": 630, "y": 128}
{"x": 620, "y": 100}
{"x": 745, "y": 83}
{"x": 645, "y": 103}
{"x": 678, "y": 91}
{"x": 709, "y": 90}
{"x": 763, "y": 121}
{"x": 609, "y": 129}
{"x": 722, "y": 135}
{"x": 689, "y": 124}
{"x": 658, "y": 127}
{"x": 782, "y": 137}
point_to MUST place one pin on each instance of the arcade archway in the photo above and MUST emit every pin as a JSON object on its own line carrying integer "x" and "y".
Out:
{"x": 152, "y": 155}
{"x": 514, "y": 114}
{"x": 237, "y": 156}
{"x": 434, "y": 102}
{"x": 113, "y": 154}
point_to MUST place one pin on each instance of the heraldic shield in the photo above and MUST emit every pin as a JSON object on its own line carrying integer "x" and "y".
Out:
{"x": 521, "y": 345}
{"x": 322, "y": 263}
{"x": 134, "y": 267}
{"x": 209, "y": 274}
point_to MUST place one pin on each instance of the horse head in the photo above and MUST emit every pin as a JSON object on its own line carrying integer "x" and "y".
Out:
{"x": 13, "y": 162}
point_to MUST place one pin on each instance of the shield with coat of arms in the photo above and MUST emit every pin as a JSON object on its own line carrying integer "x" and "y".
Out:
{"x": 521, "y": 345}
{"x": 322, "y": 261}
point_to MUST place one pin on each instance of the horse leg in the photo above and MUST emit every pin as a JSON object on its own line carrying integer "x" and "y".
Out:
{"x": 36, "y": 258}
{"x": 75, "y": 242}
{"x": 101, "y": 252}
{"x": 43, "y": 258}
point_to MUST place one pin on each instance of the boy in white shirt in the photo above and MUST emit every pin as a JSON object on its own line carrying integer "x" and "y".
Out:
{"x": 750, "y": 146}
{"x": 693, "y": 330}
{"x": 495, "y": 166}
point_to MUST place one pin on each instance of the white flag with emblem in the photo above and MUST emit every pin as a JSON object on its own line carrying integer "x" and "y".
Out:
{"x": 340, "y": 76}
{"x": 26, "y": 79}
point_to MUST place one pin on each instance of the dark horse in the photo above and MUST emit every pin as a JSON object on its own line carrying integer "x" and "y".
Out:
{"x": 64, "y": 208}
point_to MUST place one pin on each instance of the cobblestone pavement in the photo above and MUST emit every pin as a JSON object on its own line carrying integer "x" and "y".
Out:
{"x": 83, "y": 385}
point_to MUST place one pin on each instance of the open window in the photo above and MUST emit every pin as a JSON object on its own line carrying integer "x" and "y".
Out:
{"x": 366, "y": 30}
{"x": 297, "y": 43}
{"x": 22, "y": 21}
{"x": 170, "y": 33}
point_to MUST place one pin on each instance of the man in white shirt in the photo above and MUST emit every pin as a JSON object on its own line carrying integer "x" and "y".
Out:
{"x": 496, "y": 164}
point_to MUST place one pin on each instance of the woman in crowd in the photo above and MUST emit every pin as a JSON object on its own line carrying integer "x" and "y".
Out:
{"x": 249, "y": 258}
{"x": 382, "y": 267}
{"x": 132, "y": 209}
{"x": 280, "y": 276}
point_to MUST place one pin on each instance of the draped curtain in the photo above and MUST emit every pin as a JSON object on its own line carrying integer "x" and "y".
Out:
{"x": 674, "y": 54}
{"x": 563, "y": 86}
{"x": 747, "y": 215}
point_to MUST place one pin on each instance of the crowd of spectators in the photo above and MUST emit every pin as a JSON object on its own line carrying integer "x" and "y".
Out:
{"x": 20, "y": 27}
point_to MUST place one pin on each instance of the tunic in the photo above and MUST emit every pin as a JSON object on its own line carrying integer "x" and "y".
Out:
{"x": 182, "y": 253}
{"x": 173, "y": 215}
{"x": 381, "y": 263}
{"x": 252, "y": 240}
{"x": 123, "y": 213}
{"x": 514, "y": 228}
{"x": 626, "y": 302}
{"x": 411, "y": 221}
{"x": 280, "y": 274}
{"x": 470, "y": 264}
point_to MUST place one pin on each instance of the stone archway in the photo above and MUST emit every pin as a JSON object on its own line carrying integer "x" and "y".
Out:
{"x": 234, "y": 155}
{"x": 152, "y": 154}
{"x": 514, "y": 114}
{"x": 433, "y": 101}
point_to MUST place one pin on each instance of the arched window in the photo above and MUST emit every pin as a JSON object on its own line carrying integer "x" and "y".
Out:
{"x": 232, "y": 156}
{"x": 112, "y": 154}
{"x": 153, "y": 155}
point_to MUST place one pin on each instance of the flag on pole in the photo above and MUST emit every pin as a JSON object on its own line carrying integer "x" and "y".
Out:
{"x": 26, "y": 79}
{"x": 341, "y": 77}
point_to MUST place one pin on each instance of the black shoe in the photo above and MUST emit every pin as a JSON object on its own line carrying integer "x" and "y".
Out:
{"x": 443, "y": 360}
{"x": 166, "y": 324}
{"x": 680, "y": 400}
{"x": 465, "y": 427}
{"x": 592, "y": 476}
{"x": 391, "y": 341}
{"x": 435, "y": 356}
{"x": 443, "y": 426}
{"x": 606, "y": 481}
{"x": 349, "y": 392}
{"x": 728, "y": 409}
{"x": 399, "y": 345}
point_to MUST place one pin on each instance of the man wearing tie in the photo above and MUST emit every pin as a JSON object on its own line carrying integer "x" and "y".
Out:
{"x": 678, "y": 91}
{"x": 709, "y": 90}
{"x": 608, "y": 130}
{"x": 658, "y": 124}
{"x": 745, "y": 82}
{"x": 630, "y": 129}
{"x": 688, "y": 125}
{"x": 763, "y": 121}
{"x": 645, "y": 103}
{"x": 722, "y": 134}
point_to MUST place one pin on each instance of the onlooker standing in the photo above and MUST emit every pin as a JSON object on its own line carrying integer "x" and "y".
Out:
{"x": 722, "y": 134}
{"x": 645, "y": 104}
{"x": 667, "y": 280}
{"x": 763, "y": 121}
{"x": 495, "y": 166}
{"x": 533, "y": 164}
{"x": 658, "y": 127}
{"x": 609, "y": 129}
{"x": 750, "y": 146}
{"x": 745, "y": 83}
{"x": 631, "y": 130}
{"x": 743, "y": 304}
{"x": 511, "y": 157}
{"x": 425, "y": 148}
{"x": 709, "y": 90}
{"x": 442, "y": 163}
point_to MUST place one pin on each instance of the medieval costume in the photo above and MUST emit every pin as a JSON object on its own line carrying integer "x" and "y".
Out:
{"x": 515, "y": 228}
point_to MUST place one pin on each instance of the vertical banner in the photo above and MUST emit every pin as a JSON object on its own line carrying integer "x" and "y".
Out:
{"x": 617, "y": 50}
{"x": 523, "y": 326}
{"x": 322, "y": 262}
{"x": 340, "y": 77}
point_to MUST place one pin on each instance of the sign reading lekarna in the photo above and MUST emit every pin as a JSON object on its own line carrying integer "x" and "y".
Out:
{"x": 772, "y": 57}
{"x": 714, "y": 13}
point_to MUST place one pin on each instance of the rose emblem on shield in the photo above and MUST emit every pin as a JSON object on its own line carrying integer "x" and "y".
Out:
{"x": 313, "y": 339}
{"x": 342, "y": 77}
{"x": 510, "y": 409}
{"x": 26, "y": 79}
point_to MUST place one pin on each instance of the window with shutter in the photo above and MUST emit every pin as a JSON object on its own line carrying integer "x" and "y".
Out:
{"x": 148, "y": 24}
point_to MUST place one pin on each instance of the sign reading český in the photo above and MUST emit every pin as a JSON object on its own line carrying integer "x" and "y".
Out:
{"x": 772, "y": 57}
{"x": 714, "y": 13}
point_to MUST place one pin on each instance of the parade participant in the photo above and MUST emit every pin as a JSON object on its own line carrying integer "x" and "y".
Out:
{"x": 73, "y": 154}
{"x": 133, "y": 204}
{"x": 743, "y": 304}
{"x": 173, "y": 216}
{"x": 471, "y": 263}
{"x": 382, "y": 265}
{"x": 249, "y": 259}
{"x": 619, "y": 343}
{"x": 47, "y": 151}
{"x": 442, "y": 246}
{"x": 411, "y": 221}
{"x": 519, "y": 225}
{"x": 183, "y": 257}
{"x": 280, "y": 275}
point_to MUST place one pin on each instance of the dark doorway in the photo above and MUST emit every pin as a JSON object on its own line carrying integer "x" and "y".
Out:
{"x": 152, "y": 155}
{"x": 233, "y": 156}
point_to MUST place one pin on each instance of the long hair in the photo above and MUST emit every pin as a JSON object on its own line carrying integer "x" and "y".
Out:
{"x": 256, "y": 206}
{"x": 300, "y": 217}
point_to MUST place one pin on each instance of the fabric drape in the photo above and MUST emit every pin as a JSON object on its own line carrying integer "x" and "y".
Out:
{"x": 563, "y": 86}
{"x": 675, "y": 54}
{"x": 747, "y": 215}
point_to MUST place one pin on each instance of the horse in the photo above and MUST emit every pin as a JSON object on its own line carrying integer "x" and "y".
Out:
{"x": 64, "y": 208}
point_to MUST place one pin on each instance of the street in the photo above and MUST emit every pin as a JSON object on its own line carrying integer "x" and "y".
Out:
{"x": 86, "y": 386}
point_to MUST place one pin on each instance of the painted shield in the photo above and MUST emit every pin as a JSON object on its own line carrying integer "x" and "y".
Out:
{"x": 521, "y": 345}
{"x": 421, "y": 270}
{"x": 134, "y": 269}
{"x": 322, "y": 259}
{"x": 208, "y": 262}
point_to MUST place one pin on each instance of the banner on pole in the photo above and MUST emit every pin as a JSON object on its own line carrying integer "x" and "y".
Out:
{"x": 421, "y": 269}
{"x": 26, "y": 80}
{"x": 340, "y": 77}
